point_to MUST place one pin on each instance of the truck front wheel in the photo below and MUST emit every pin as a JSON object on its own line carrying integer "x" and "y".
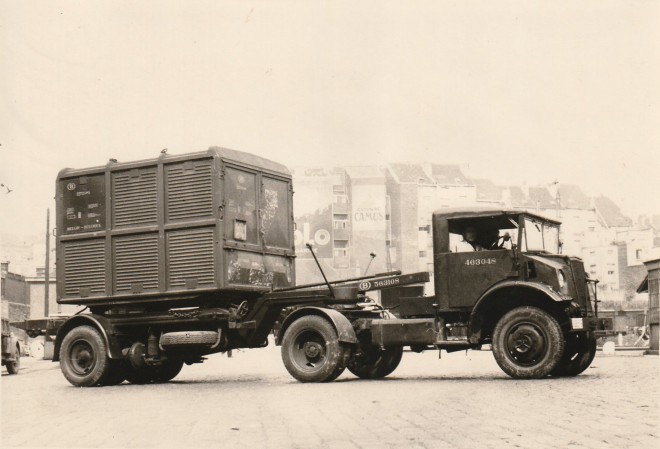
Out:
{"x": 311, "y": 350}
{"x": 84, "y": 357}
{"x": 527, "y": 343}
{"x": 578, "y": 355}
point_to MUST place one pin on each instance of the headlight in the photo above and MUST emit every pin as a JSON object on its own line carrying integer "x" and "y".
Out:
{"x": 562, "y": 279}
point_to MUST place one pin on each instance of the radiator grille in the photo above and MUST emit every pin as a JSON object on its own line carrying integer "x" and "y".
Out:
{"x": 190, "y": 255}
{"x": 134, "y": 198}
{"x": 136, "y": 263}
{"x": 189, "y": 190}
{"x": 84, "y": 268}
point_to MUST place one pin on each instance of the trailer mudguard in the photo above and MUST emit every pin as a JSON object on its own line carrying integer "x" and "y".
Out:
{"x": 344, "y": 328}
{"x": 98, "y": 322}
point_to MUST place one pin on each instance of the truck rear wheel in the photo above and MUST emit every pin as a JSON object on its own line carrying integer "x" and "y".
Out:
{"x": 578, "y": 355}
{"x": 84, "y": 357}
{"x": 375, "y": 363}
{"x": 15, "y": 365}
{"x": 527, "y": 343}
{"x": 311, "y": 350}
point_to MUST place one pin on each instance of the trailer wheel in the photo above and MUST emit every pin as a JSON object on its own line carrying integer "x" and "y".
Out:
{"x": 311, "y": 350}
{"x": 168, "y": 370}
{"x": 116, "y": 374}
{"x": 14, "y": 366}
{"x": 578, "y": 355}
{"x": 165, "y": 372}
{"x": 375, "y": 363}
{"x": 84, "y": 357}
{"x": 527, "y": 343}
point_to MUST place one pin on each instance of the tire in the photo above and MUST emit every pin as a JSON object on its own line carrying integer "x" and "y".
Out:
{"x": 116, "y": 373}
{"x": 84, "y": 357}
{"x": 139, "y": 376}
{"x": 154, "y": 374}
{"x": 15, "y": 366}
{"x": 578, "y": 355}
{"x": 528, "y": 343}
{"x": 311, "y": 350}
{"x": 168, "y": 370}
{"x": 375, "y": 363}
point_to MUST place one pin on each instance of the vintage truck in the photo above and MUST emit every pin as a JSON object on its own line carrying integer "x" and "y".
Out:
{"x": 179, "y": 257}
{"x": 11, "y": 349}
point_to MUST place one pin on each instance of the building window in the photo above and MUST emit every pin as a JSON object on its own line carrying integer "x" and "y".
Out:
{"x": 638, "y": 253}
{"x": 340, "y": 252}
{"x": 610, "y": 273}
{"x": 422, "y": 254}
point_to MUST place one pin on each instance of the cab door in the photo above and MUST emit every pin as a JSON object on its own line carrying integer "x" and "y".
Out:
{"x": 466, "y": 276}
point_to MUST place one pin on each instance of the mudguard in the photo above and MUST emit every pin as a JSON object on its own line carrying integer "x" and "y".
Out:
{"x": 549, "y": 293}
{"x": 98, "y": 322}
{"x": 344, "y": 328}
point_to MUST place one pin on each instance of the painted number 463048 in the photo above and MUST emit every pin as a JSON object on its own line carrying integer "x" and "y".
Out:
{"x": 474, "y": 262}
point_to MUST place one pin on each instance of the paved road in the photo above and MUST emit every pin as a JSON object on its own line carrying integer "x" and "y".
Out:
{"x": 460, "y": 401}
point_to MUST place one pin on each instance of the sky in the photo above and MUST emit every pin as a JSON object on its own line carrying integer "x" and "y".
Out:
{"x": 515, "y": 91}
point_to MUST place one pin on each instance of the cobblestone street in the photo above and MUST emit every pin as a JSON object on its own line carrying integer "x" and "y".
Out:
{"x": 460, "y": 401}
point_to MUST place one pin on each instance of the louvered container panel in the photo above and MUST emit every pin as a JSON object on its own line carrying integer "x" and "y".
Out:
{"x": 136, "y": 263}
{"x": 179, "y": 230}
{"x": 189, "y": 190}
{"x": 134, "y": 197}
{"x": 190, "y": 256}
{"x": 84, "y": 267}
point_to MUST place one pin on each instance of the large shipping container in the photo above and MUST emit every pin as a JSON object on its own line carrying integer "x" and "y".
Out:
{"x": 215, "y": 225}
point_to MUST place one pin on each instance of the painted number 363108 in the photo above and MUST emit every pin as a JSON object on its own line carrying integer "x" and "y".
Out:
{"x": 474, "y": 262}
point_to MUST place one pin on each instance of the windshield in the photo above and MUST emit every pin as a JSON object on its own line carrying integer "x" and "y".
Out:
{"x": 540, "y": 236}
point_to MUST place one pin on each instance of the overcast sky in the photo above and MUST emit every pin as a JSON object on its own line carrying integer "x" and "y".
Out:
{"x": 516, "y": 91}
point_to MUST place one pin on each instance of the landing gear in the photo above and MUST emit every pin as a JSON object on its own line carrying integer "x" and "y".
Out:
{"x": 311, "y": 350}
{"x": 528, "y": 343}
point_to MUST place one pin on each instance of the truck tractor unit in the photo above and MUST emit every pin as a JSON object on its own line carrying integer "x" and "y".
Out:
{"x": 179, "y": 257}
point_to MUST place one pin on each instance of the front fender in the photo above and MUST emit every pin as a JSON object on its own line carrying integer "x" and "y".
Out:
{"x": 519, "y": 293}
{"x": 98, "y": 322}
{"x": 344, "y": 328}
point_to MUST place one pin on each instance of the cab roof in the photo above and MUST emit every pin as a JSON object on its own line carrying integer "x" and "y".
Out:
{"x": 475, "y": 213}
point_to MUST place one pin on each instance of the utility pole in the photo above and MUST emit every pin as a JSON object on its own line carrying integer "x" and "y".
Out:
{"x": 47, "y": 270}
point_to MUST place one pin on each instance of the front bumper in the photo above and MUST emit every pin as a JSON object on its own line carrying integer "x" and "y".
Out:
{"x": 592, "y": 324}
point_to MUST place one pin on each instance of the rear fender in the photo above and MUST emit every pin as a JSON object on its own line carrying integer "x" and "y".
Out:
{"x": 98, "y": 322}
{"x": 344, "y": 328}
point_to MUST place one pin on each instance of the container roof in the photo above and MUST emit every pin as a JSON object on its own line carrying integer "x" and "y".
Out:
{"x": 244, "y": 158}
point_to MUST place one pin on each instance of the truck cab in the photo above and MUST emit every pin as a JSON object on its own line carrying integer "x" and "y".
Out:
{"x": 489, "y": 263}
{"x": 11, "y": 349}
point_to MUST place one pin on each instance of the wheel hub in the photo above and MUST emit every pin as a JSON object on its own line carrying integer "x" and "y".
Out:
{"x": 312, "y": 349}
{"x": 526, "y": 343}
{"x": 82, "y": 357}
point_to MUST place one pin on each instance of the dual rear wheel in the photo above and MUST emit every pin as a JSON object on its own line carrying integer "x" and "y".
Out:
{"x": 312, "y": 352}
